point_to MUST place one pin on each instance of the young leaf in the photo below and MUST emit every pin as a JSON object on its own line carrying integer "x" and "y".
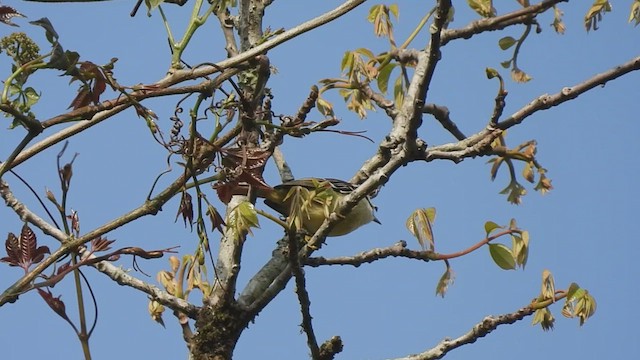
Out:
{"x": 54, "y": 303}
{"x": 502, "y": 256}
{"x": 634, "y": 15}
{"x": 186, "y": 209}
{"x": 445, "y": 280}
{"x": 491, "y": 73}
{"x": 548, "y": 290}
{"x": 506, "y": 42}
{"x": 519, "y": 76}
{"x": 420, "y": 226}
{"x": 595, "y": 13}
{"x": 7, "y": 13}
{"x": 383, "y": 76}
{"x": 484, "y": 8}
{"x": 489, "y": 226}
{"x": 52, "y": 35}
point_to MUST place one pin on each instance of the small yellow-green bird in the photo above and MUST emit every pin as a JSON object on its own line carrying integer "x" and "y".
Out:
{"x": 308, "y": 202}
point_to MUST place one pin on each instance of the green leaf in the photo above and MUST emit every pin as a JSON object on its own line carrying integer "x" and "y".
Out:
{"x": 32, "y": 96}
{"x": 506, "y": 42}
{"x": 483, "y": 7}
{"x": 383, "y": 76}
{"x": 398, "y": 91}
{"x": 347, "y": 62}
{"x": 521, "y": 248}
{"x": 52, "y": 35}
{"x": 324, "y": 107}
{"x": 506, "y": 64}
{"x": 497, "y": 162}
{"x": 502, "y": 256}
{"x": 489, "y": 226}
{"x": 491, "y": 72}
{"x": 572, "y": 291}
{"x": 366, "y": 52}
{"x": 394, "y": 10}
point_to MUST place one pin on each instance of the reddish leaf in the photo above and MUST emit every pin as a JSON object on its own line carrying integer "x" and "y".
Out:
{"x": 54, "y": 303}
{"x": 82, "y": 99}
{"x": 63, "y": 268}
{"x": 12, "y": 245}
{"x": 247, "y": 165}
{"x": 217, "y": 222}
{"x": 75, "y": 220}
{"x": 101, "y": 244}
{"x": 24, "y": 251}
{"x": 225, "y": 191}
{"x": 7, "y": 13}
{"x": 186, "y": 209}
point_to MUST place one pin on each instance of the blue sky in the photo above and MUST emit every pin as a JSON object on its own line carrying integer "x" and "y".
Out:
{"x": 582, "y": 231}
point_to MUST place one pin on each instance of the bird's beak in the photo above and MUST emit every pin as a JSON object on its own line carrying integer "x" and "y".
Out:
{"x": 375, "y": 220}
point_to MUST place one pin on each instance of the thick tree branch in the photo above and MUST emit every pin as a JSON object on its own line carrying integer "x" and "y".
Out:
{"x": 395, "y": 151}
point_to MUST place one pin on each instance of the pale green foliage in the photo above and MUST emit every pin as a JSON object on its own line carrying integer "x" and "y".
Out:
{"x": 595, "y": 13}
{"x": 483, "y": 7}
{"x": 420, "y": 225}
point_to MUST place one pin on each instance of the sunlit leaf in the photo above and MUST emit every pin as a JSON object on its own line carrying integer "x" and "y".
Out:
{"x": 544, "y": 318}
{"x": 398, "y": 91}
{"x": 383, "y": 76}
{"x": 420, "y": 225}
{"x": 548, "y": 288}
{"x": 484, "y": 8}
{"x": 445, "y": 281}
{"x": 519, "y": 76}
{"x": 595, "y": 13}
{"x": 502, "y": 256}
{"x": 324, "y": 107}
{"x": 155, "y": 310}
{"x": 634, "y": 14}
{"x": 527, "y": 172}
{"x": 489, "y": 226}
{"x": 558, "y": 24}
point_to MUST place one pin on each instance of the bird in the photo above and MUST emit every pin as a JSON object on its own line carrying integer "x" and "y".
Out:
{"x": 308, "y": 202}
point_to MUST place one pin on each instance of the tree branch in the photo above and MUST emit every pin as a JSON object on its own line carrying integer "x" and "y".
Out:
{"x": 482, "y": 329}
{"x": 121, "y": 277}
{"x": 442, "y": 114}
{"x": 521, "y": 16}
{"x": 398, "y": 249}
{"x": 303, "y": 296}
